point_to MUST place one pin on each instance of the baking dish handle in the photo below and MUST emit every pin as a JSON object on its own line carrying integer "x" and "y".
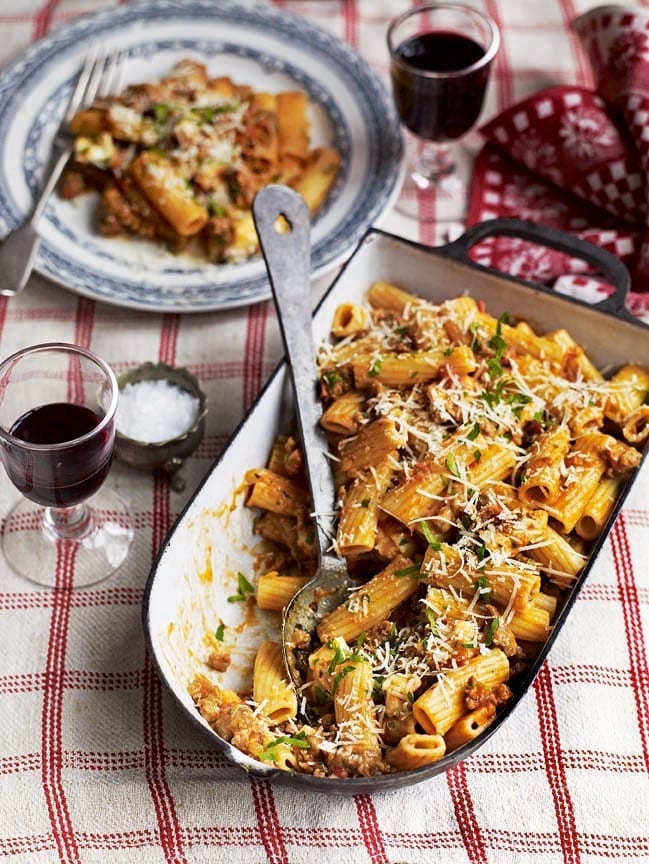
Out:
{"x": 610, "y": 267}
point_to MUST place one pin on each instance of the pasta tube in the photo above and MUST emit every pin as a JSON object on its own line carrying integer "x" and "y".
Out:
{"x": 415, "y": 750}
{"x": 271, "y": 688}
{"x": 168, "y": 193}
{"x": 274, "y": 591}
{"x": 468, "y": 727}
{"x": 442, "y": 705}
{"x": 358, "y": 517}
{"x": 542, "y": 474}
{"x": 355, "y": 712}
{"x": 345, "y": 415}
{"x": 276, "y": 493}
{"x": 372, "y": 603}
{"x": 598, "y": 508}
{"x": 371, "y": 446}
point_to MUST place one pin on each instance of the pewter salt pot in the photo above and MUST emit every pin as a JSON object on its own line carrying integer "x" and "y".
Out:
{"x": 166, "y": 455}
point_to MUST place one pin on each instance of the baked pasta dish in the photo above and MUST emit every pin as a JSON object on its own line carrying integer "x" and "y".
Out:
{"x": 179, "y": 161}
{"x": 476, "y": 463}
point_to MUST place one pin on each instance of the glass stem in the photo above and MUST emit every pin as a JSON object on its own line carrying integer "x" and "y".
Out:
{"x": 433, "y": 162}
{"x": 67, "y": 523}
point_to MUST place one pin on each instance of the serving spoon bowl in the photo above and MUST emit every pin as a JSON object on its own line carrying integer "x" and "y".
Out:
{"x": 283, "y": 224}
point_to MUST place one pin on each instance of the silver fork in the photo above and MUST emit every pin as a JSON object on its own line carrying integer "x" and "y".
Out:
{"x": 100, "y": 75}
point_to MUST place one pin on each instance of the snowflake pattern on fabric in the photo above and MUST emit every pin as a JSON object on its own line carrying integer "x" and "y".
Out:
{"x": 572, "y": 138}
{"x": 585, "y": 136}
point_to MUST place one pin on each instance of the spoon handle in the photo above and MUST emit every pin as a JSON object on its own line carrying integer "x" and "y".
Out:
{"x": 287, "y": 255}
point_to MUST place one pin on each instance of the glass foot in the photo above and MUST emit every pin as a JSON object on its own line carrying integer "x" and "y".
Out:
{"x": 33, "y": 550}
{"x": 437, "y": 185}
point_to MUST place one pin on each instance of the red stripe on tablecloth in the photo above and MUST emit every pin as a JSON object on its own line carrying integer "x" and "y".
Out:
{"x": 254, "y": 353}
{"x": 168, "y": 339}
{"x": 587, "y": 674}
{"x": 602, "y": 845}
{"x": 154, "y": 750}
{"x": 79, "y": 600}
{"x": 217, "y": 835}
{"x": 636, "y": 517}
{"x": 596, "y": 760}
{"x": 26, "y": 846}
{"x": 583, "y": 77}
{"x": 52, "y": 710}
{"x": 465, "y": 814}
{"x": 102, "y": 762}
{"x": 270, "y": 827}
{"x": 426, "y": 207}
{"x": 611, "y": 592}
{"x": 555, "y": 767}
{"x": 73, "y": 679}
{"x": 20, "y": 763}
{"x": 84, "y": 321}
{"x": 54, "y": 684}
{"x": 501, "y": 69}
{"x": 425, "y": 840}
{"x": 370, "y": 830}
{"x": 168, "y": 826}
{"x": 43, "y": 19}
{"x": 4, "y": 306}
{"x": 331, "y": 838}
{"x": 637, "y": 648}
{"x": 350, "y": 23}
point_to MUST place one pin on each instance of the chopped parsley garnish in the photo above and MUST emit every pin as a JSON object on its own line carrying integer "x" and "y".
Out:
{"x": 481, "y": 585}
{"x": 338, "y": 677}
{"x": 451, "y": 464}
{"x": 220, "y": 630}
{"x": 245, "y": 589}
{"x": 375, "y": 368}
{"x": 215, "y": 208}
{"x": 414, "y": 570}
{"x": 331, "y": 377}
{"x": 207, "y": 113}
{"x": 497, "y": 342}
{"x": 493, "y": 397}
{"x": 161, "y": 112}
{"x": 482, "y": 551}
{"x": 475, "y": 431}
{"x": 493, "y": 626}
{"x": 299, "y": 740}
{"x": 431, "y": 539}
{"x": 365, "y": 503}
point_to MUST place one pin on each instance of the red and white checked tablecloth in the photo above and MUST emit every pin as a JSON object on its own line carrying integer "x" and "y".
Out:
{"x": 96, "y": 762}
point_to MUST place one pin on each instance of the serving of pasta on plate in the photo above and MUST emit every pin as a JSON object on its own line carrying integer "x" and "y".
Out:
{"x": 477, "y": 463}
{"x": 178, "y": 161}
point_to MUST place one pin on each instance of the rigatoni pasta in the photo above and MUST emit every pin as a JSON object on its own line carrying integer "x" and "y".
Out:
{"x": 179, "y": 161}
{"x": 477, "y": 462}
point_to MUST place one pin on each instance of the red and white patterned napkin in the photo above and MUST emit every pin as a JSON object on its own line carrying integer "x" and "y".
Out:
{"x": 577, "y": 160}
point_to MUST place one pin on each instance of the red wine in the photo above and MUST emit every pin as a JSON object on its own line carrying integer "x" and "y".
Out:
{"x": 64, "y": 476}
{"x": 439, "y": 108}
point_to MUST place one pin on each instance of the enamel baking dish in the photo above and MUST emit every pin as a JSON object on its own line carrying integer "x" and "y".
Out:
{"x": 212, "y": 540}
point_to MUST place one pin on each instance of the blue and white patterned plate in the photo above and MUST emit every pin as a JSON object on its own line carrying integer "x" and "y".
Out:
{"x": 255, "y": 44}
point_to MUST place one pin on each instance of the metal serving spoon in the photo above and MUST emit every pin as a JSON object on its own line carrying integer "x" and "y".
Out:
{"x": 287, "y": 256}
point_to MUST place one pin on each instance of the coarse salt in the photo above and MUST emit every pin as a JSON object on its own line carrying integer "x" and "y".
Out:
{"x": 155, "y": 411}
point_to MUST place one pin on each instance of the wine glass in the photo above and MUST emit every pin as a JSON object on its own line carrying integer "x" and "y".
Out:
{"x": 440, "y": 57}
{"x": 57, "y": 430}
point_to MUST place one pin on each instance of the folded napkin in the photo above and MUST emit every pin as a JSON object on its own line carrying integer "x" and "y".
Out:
{"x": 577, "y": 160}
